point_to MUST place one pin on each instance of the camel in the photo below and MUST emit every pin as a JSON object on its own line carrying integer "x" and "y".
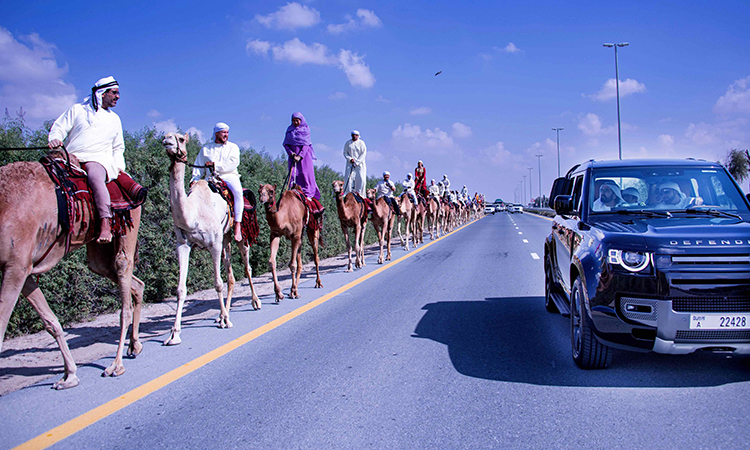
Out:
{"x": 32, "y": 242}
{"x": 408, "y": 214}
{"x": 352, "y": 214}
{"x": 420, "y": 214}
{"x": 433, "y": 217}
{"x": 201, "y": 220}
{"x": 383, "y": 219}
{"x": 287, "y": 218}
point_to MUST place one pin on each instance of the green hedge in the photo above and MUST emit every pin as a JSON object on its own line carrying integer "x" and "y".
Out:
{"x": 75, "y": 294}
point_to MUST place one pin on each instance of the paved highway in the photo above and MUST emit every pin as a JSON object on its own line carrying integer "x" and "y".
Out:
{"x": 449, "y": 348}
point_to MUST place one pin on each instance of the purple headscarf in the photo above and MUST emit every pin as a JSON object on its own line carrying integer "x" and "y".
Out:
{"x": 299, "y": 135}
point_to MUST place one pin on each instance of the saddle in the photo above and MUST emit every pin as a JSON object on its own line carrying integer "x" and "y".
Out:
{"x": 363, "y": 201}
{"x": 314, "y": 210}
{"x": 75, "y": 203}
{"x": 249, "y": 224}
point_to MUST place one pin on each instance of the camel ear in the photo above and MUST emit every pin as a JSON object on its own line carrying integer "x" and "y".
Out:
{"x": 187, "y": 137}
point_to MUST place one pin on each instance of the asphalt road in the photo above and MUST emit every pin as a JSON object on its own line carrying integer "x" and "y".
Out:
{"x": 449, "y": 348}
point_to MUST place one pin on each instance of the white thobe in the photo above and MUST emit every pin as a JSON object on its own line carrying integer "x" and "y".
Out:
{"x": 99, "y": 141}
{"x": 384, "y": 189}
{"x": 226, "y": 158}
{"x": 465, "y": 193}
{"x": 355, "y": 174}
{"x": 446, "y": 184}
{"x": 408, "y": 185}
{"x": 434, "y": 190}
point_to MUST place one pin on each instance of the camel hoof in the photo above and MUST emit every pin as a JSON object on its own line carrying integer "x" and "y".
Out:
{"x": 318, "y": 284}
{"x": 114, "y": 370}
{"x": 256, "y": 303}
{"x": 349, "y": 270}
{"x": 66, "y": 382}
{"x": 135, "y": 349}
{"x": 174, "y": 339}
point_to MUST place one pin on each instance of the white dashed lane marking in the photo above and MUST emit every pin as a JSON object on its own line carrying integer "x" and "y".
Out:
{"x": 535, "y": 256}
{"x": 525, "y": 241}
{"x": 520, "y": 232}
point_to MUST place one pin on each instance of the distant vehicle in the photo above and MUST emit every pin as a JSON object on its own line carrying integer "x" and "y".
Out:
{"x": 500, "y": 208}
{"x": 489, "y": 209}
{"x": 649, "y": 255}
{"x": 516, "y": 208}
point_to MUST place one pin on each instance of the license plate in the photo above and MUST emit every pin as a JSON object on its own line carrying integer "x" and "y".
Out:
{"x": 720, "y": 321}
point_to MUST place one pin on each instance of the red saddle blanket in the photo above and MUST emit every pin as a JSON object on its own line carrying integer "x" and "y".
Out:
{"x": 76, "y": 203}
{"x": 313, "y": 207}
{"x": 249, "y": 224}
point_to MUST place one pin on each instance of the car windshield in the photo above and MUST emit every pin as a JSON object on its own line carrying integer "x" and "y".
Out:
{"x": 691, "y": 189}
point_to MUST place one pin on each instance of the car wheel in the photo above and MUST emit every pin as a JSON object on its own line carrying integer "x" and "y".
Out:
{"x": 549, "y": 304}
{"x": 588, "y": 352}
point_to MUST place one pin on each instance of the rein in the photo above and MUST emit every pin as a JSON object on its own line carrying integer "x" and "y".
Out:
{"x": 20, "y": 149}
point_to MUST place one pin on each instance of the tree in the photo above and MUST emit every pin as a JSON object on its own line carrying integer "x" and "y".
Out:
{"x": 737, "y": 163}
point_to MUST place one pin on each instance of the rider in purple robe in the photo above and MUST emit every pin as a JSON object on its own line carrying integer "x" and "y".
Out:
{"x": 298, "y": 146}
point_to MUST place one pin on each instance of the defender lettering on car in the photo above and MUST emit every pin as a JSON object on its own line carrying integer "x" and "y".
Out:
{"x": 649, "y": 255}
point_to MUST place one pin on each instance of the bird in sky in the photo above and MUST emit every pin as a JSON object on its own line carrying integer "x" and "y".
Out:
{"x": 439, "y": 73}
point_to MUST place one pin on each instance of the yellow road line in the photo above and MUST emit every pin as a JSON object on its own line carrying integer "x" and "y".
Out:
{"x": 77, "y": 424}
{"x": 540, "y": 216}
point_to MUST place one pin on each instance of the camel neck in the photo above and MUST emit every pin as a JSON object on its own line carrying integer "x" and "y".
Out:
{"x": 178, "y": 197}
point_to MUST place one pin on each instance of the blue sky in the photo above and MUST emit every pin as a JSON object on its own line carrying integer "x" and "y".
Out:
{"x": 510, "y": 72}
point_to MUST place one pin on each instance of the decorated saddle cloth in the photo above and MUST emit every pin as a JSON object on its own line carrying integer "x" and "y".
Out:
{"x": 314, "y": 210}
{"x": 249, "y": 226}
{"x": 363, "y": 201}
{"x": 76, "y": 211}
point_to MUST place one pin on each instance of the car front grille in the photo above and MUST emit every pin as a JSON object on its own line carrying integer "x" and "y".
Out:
{"x": 712, "y": 335}
{"x": 736, "y": 259}
{"x": 708, "y": 304}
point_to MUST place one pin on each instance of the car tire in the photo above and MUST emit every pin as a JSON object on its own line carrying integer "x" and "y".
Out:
{"x": 588, "y": 352}
{"x": 549, "y": 304}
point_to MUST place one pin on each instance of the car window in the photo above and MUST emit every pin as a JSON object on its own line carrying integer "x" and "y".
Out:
{"x": 663, "y": 188}
{"x": 577, "y": 189}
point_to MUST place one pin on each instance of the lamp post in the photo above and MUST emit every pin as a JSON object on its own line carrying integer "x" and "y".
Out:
{"x": 531, "y": 193}
{"x": 558, "y": 149}
{"x": 617, "y": 83}
{"x": 539, "y": 158}
{"x": 524, "y": 189}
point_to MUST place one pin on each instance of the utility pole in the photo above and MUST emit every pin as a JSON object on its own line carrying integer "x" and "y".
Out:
{"x": 617, "y": 83}
{"x": 558, "y": 149}
{"x": 539, "y": 158}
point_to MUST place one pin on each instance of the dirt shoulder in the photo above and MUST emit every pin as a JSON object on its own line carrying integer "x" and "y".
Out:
{"x": 27, "y": 360}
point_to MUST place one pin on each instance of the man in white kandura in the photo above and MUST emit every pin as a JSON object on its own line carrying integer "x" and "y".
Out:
{"x": 408, "y": 185}
{"x": 434, "y": 189}
{"x": 355, "y": 174}
{"x": 385, "y": 188}
{"x": 446, "y": 185}
{"x": 93, "y": 133}
{"x": 224, "y": 156}
{"x": 464, "y": 194}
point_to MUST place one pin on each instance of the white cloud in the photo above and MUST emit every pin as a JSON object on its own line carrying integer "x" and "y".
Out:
{"x": 166, "y": 126}
{"x": 297, "y": 52}
{"x": 420, "y": 111}
{"x": 374, "y": 156}
{"x": 497, "y": 153}
{"x": 732, "y": 133}
{"x": 30, "y": 78}
{"x": 736, "y": 99}
{"x": 194, "y": 130}
{"x": 665, "y": 140}
{"x": 258, "y": 47}
{"x": 368, "y": 19}
{"x": 411, "y": 137}
{"x": 154, "y": 114}
{"x": 382, "y": 99}
{"x": 265, "y": 118}
{"x": 337, "y": 96}
{"x": 511, "y": 48}
{"x": 460, "y": 130}
{"x": 323, "y": 147}
{"x": 590, "y": 124}
{"x": 609, "y": 90}
{"x": 290, "y": 16}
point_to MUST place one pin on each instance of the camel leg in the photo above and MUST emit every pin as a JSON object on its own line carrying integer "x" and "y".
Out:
{"x": 388, "y": 236}
{"x": 216, "y": 253}
{"x": 275, "y": 240}
{"x": 32, "y": 292}
{"x": 136, "y": 291}
{"x": 183, "y": 258}
{"x": 13, "y": 281}
{"x": 226, "y": 254}
{"x": 296, "y": 259}
{"x": 312, "y": 236}
{"x": 123, "y": 264}
{"x": 361, "y": 243}
{"x": 381, "y": 235}
{"x": 345, "y": 230}
{"x": 245, "y": 253}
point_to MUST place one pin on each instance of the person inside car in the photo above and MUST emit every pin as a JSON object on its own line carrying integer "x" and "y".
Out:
{"x": 609, "y": 197}
{"x": 631, "y": 196}
{"x": 673, "y": 198}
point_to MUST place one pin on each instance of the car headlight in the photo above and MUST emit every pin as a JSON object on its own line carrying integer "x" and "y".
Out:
{"x": 630, "y": 260}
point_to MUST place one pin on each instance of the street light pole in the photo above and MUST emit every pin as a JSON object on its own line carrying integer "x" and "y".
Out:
{"x": 531, "y": 193}
{"x": 524, "y": 189}
{"x": 617, "y": 83}
{"x": 558, "y": 149}
{"x": 539, "y": 158}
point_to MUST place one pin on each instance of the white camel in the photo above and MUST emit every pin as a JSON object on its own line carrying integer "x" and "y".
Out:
{"x": 201, "y": 220}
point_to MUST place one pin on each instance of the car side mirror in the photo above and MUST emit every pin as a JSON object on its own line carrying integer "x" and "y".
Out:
{"x": 563, "y": 205}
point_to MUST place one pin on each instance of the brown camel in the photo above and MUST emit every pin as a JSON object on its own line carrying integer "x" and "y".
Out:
{"x": 32, "y": 242}
{"x": 383, "y": 219}
{"x": 287, "y": 218}
{"x": 352, "y": 214}
{"x": 420, "y": 214}
{"x": 433, "y": 217}
{"x": 201, "y": 220}
{"x": 408, "y": 216}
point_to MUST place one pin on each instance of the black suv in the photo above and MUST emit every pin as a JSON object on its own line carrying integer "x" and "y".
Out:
{"x": 649, "y": 255}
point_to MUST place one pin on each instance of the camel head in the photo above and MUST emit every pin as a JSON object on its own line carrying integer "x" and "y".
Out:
{"x": 266, "y": 193}
{"x": 371, "y": 194}
{"x": 338, "y": 187}
{"x": 176, "y": 146}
